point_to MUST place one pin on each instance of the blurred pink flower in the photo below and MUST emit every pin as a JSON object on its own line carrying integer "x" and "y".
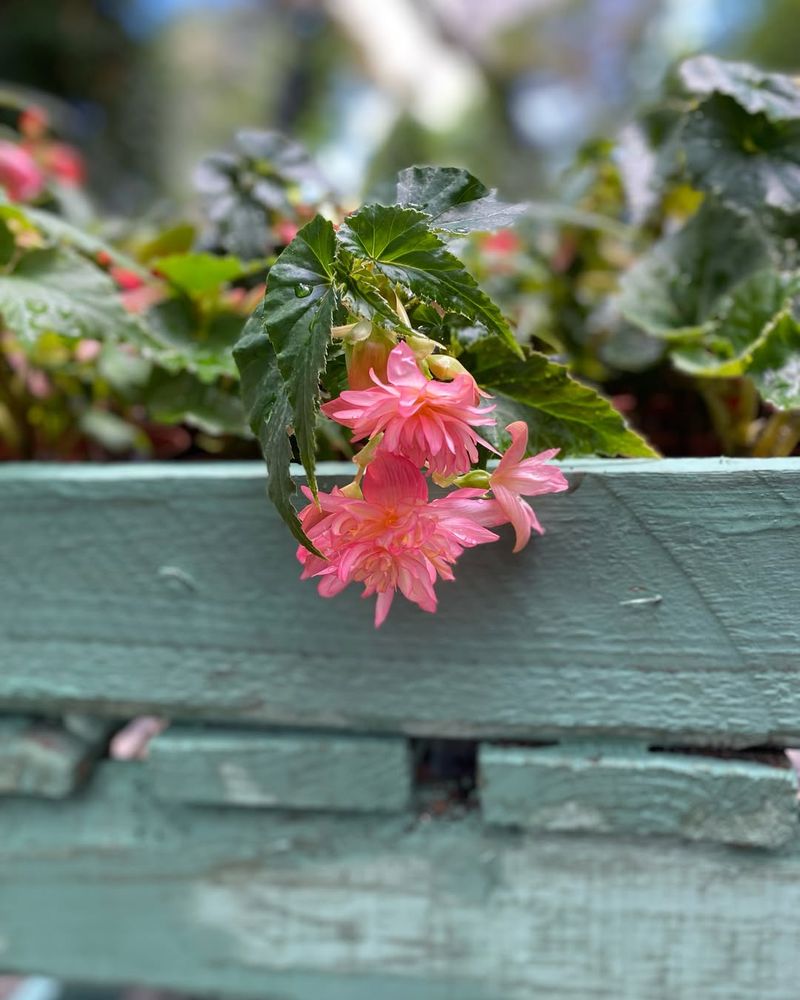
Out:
{"x": 39, "y": 385}
{"x": 429, "y": 422}
{"x": 63, "y": 162}
{"x": 286, "y": 231}
{"x": 516, "y": 477}
{"x": 393, "y": 537}
{"x": 19, "y": 173}
{"x": 87, "y": 349}
{"x": 126, "y": 279}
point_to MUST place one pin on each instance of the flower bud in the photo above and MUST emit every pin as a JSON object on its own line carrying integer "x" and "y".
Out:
{"x": 422, "y": 346}
{"x": 477, "y": 479}
{"x": 364, "y": 356}
{"x": 352, "y": 333}
{"x": 445, "y": 367}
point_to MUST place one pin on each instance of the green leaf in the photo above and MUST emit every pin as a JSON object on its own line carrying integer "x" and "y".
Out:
{"x": 182, "y": 399}
{"x": 745, "y": 160}
{"x": 673, "y": 289}
{"x": 196, "y": 273}
{"x": 775, "y": 367}
{"x": 60, "y": 231}
{"x": 58, "y": 291}
{"x": 269, "y": 414}
{"x": 772, "y": 94}
{"x": 742, "y": 317}
{"x": 178, "y": 340}
{"x": 127, "y": 373}
{"x": 362, "y": 290}
{"x": 560, "y": 412}
{"x": 175, "y": 239}
{"x": 436, "y": 189}
{"x": 398, "y": 243}
{"x": 112, "y": 432}
{"x": 456, "y": 201}
{"x": 298, "y": 312}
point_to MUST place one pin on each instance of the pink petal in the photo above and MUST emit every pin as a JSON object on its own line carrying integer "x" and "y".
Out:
{"x": 382, "y": 605}
{"x": 391, "y": 480}
{"x": 330, "y": 586}
{"x": 532, "y": 478}
{"x": 519, "y": 443}
{"x": 518, "y": 513}
{"x": 402, "y": 368}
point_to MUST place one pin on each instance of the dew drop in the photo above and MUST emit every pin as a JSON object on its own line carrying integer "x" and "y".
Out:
{"x": 302, "y": 291}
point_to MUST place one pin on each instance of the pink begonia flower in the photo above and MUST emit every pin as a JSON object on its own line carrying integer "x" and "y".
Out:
{"x": 393, "y": 537}
{"x": 516, "y": 477}
{"x": 429, "y": 422}
{"x": 19, "y": 173}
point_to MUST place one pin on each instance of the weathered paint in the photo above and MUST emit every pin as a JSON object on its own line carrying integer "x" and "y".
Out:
{"x": 114, "y": 886}
{"x": 619, "y": 789}
{"x": 291, "y": 770}
{"x": 48, "y": 760}
{"x": 662, "y": 602}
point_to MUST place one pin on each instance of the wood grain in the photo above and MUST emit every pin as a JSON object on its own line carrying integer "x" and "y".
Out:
{"x": 662, "y": 603}
{"x": 114, "y": 886}
{"x": 626, "y": 789}
{"x": 289, "y": 770}
{"x": 45, "y": 759}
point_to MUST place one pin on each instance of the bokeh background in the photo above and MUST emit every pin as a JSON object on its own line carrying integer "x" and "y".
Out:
{"x": 508, "y": 88}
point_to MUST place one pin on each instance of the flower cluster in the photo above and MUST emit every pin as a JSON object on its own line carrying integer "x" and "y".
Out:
{"x": 383, "y": 530}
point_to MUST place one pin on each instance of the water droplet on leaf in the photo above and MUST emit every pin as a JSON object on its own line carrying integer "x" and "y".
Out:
{"x": 302, "y": 291}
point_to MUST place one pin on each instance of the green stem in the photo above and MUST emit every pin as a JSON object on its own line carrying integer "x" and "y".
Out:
{"x": 25, "y": 440}
{"x": 780, "y": 436}
{"x": 733, "y": 406}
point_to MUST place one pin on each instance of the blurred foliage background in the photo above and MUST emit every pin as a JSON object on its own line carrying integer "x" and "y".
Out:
{"x": 519, "y": 92}
{"x": 509, "y": 89}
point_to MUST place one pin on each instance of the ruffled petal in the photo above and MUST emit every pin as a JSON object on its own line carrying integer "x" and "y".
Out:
{"x": 402, "y": 368}
{"x": 391, "y": 481}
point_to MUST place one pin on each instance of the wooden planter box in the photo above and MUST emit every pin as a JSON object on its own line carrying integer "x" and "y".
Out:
{"x": 295, "y": 835}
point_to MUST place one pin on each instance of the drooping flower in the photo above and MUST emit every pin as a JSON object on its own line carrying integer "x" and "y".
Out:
{"x": 429, "y": 422}
{"x": 516, "y": 477}
{"x": 391, "y": 538}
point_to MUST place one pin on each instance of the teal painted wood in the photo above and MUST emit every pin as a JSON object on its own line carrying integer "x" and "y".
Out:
{"x": 288, "y": 770}
{"x": 626, "y": 789}
{"x": 44, "y": 759}
{"x": 661, "y": 603}
{"x": 115, "y": 886}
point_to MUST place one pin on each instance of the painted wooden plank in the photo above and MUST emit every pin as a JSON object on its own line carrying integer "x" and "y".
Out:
{"x": 44, "y": 759}
{"x": 626, "y": 789}
{"x": 117, "y": 887}
{"x": 288, "y": 770}
{"x": 661, "y": 603}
